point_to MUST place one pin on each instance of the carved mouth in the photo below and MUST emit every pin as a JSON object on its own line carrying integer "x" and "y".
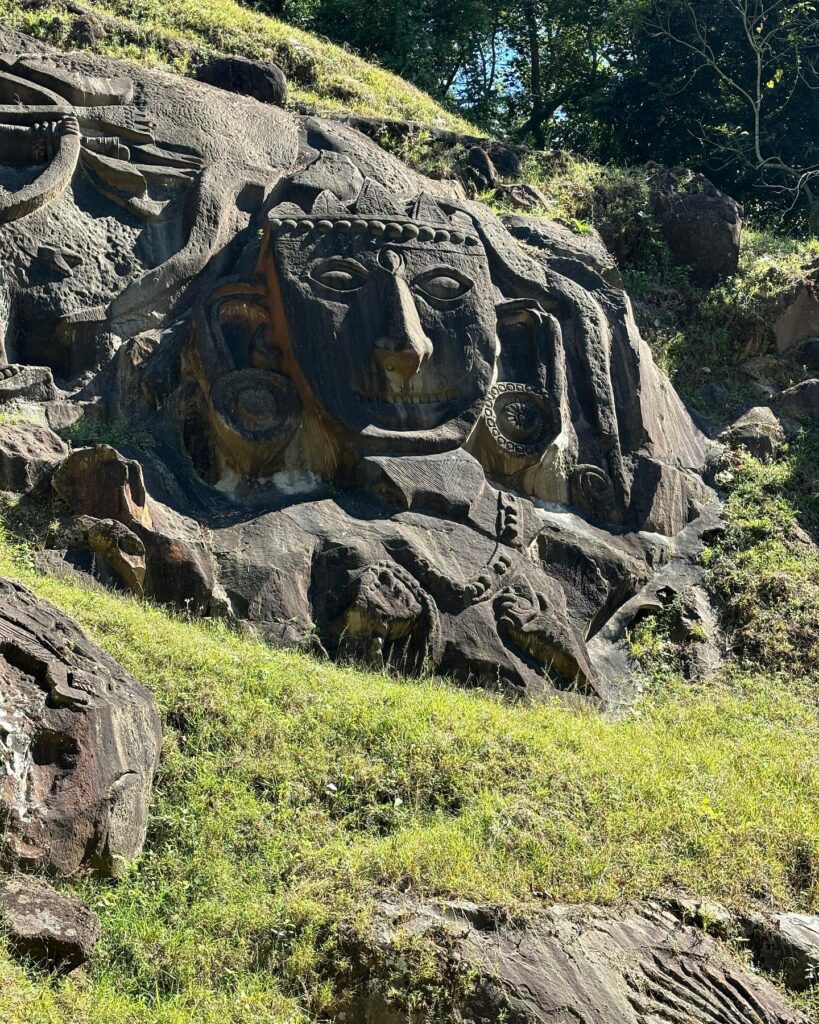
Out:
{"x": 406, "y": 397}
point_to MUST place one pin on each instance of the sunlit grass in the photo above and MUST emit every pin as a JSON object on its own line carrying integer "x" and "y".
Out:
{"x": 319, "y": 73}
{"x": 292, "y": 791}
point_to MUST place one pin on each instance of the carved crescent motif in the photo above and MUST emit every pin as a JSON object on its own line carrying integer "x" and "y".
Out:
{"x": 54, "y": 180}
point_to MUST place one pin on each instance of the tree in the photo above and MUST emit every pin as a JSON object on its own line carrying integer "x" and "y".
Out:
{"x": 760, "y": 58}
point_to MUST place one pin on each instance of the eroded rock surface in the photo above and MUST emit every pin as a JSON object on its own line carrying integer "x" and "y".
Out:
{"x": 788, "y": 946}
{"x": 581, "y": 964}
{"x": 54, "y": 931}
{"x": 79, "y": 745}
{"x": 28, "y": 453}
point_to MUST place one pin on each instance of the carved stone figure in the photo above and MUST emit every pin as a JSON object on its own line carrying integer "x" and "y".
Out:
{"x": 381, "y": 425}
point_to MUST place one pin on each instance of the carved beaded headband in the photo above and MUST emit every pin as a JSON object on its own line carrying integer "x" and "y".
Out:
{"x": 404, "y": 230}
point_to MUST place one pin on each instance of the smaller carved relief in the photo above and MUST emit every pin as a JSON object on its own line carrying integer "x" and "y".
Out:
{"x": 255, "y": 413}
{"x": 517, "y": 418}
{"x": 389, "y": 620}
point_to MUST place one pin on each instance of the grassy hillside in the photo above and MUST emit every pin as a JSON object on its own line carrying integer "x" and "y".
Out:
{"x": 176, "y": 33}
{"x": 292, "y": 791}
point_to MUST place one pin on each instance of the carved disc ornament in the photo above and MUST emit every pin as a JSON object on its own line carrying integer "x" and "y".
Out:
{"x": 517, "y": 418}
{"x": 261, "y": 406}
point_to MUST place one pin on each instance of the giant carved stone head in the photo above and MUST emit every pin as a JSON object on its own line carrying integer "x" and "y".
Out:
{"x": 391, "y": 314}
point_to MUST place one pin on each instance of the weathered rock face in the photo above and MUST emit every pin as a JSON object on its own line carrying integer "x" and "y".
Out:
{"x": 788, "y": 945}
{"x": 27, "y": 454}
{"x": 701, "y": 224}
{"x": 562, "y": 243}
{"x": 56, "y": 932}
{"x": 261, "y": 79}
{"x": 800, "y": 321}
{"x": 580, "y": 964}
{"x": 377, "y": 418}
{"x": 79, "y": 745}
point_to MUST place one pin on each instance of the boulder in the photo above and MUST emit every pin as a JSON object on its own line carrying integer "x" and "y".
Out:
{"x": 261, "y": 79}
{"x": 701, "y": 224}
{"x": 80, "y": 745}
{"x": 801, "y": 401}
{"x": 99, "y": 482}
{"x": 788, "y": 945}
{"x": 56, "y": 932}
{"x": 758, "y": 431}
{"x": 151, "y": 549}
{"x": 571, "y": 963}
{"x": 521, "y": 195}
{"x": 562, "y": 243}
{"x": 28, "y": 453}
{"x": 800, "y": 320}
{"x": 480, "y": 169}
{"x": 111, "y": 542}
{"x": 86, "y": 31}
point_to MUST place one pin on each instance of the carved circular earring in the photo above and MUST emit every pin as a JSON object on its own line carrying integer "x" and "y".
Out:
{"x": 517, "y": 418}
{"x": 255, "y": 415}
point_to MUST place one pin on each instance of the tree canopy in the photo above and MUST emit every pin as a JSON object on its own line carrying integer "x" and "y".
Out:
{"x": 730, "y": 87}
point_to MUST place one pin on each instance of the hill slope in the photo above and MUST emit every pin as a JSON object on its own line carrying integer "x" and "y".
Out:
{"x": 178, "y": 34}
{"x": 293, "y": 793}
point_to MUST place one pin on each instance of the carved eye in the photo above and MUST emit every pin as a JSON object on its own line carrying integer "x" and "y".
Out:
{"x": 444, "y": 285}
{"x": 339, "y": 275}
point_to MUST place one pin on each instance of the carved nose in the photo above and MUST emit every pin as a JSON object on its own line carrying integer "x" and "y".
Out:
{"x": 404, "y": 348}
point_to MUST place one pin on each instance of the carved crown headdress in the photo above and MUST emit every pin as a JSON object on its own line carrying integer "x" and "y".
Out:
{"x": 351, "y": 203}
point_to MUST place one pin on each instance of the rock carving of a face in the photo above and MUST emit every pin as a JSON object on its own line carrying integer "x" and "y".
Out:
{"x": 392, "y": 326}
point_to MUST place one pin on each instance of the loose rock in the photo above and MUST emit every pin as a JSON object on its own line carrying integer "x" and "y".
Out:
{"x": 758, "y": 431}
{"x": 801, "y": 401}
{"x": 261, "y": 79}
{"x": 701, "y": 224}
{"x": 56, "y": 932}
{"x": 522, "y": 195}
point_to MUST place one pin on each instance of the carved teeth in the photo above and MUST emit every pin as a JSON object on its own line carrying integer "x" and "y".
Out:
{"x": 430, "y": 398}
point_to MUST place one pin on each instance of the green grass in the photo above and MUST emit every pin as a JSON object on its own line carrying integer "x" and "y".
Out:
{"x": 291, "y": 791}
{"x": 765, "y": 569}
{"x": 319, "y": 73}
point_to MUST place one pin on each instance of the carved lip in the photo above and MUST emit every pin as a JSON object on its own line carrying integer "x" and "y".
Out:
{"x": 406, "y": 397}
